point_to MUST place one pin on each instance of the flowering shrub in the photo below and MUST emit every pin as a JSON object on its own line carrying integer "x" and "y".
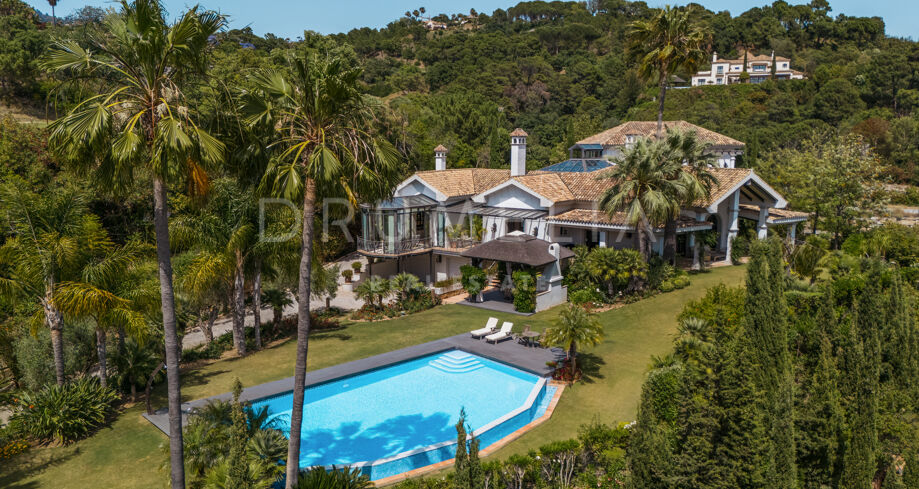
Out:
{"x": 12, "y": 448}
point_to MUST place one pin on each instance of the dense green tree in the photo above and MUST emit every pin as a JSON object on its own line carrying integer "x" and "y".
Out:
{"x": 837, "y": 101}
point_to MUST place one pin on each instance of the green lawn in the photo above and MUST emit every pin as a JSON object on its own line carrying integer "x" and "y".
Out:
{"x": 127, "y": 453}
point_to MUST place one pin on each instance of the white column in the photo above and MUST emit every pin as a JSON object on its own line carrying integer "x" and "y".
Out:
{"x": 602, "y": 239}
{"x": 696, "y": 264}
{"x": 792, "y": 231}
{"x": 732, "y": 223}
{"x": 761, "y": 229}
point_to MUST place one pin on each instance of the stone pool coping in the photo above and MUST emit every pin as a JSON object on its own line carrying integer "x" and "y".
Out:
{"x": 529, "y": 359}
{"x": 559, "y": 387}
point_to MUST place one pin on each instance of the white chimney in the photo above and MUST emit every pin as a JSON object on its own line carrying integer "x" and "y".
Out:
{"x": 440, "y": 158}
{"x": 518, "y": 153}
{"x": 714, "y": 57}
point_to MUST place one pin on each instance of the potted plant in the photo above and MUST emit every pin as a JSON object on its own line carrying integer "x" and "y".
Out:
{"x": 347, "y": 274}
{"x": 356, "y": 266}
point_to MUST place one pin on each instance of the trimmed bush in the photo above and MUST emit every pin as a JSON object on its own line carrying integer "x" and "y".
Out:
{"x": 524, "y": 291}
{"x": 65, "y": 413}
{"x": 681, "y": 281}
{"x": 473, "y": 279}
{"x": 667, "y": 286}
{"x": 348, "y": 274}
{"x": 356, "y": 266}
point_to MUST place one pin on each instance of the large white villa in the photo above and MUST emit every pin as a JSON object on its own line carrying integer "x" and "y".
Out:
{"x": 727, "y": 71}
{"x": 436, "y": 217}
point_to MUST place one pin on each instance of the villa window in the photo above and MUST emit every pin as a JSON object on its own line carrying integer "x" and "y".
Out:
{"x": 563, "y": 231}
{"x": 514, "y": 225}
{"x": 720, "y": 70}
{"x": 784, "y": 66}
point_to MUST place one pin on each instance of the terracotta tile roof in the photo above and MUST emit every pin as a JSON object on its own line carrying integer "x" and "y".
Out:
{"x": 519, "y": 132}
{"x": 458, "y": 182}
{"x": 779, "y": 215}
{"x": 728, "y": 178}
{"x": 616, "y": 136}
{"x": 589, "y": 186}
{"x": 440, "y": 148}
{"x": 596, "y": 216}
{"x": 566, "y": 186}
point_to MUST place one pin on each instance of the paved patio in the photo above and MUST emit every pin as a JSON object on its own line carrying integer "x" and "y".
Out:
{"x": 493, "y": 300}
{"x": 530, "y": 359}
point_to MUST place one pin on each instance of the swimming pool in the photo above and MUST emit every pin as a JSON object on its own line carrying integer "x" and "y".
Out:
{"x": 401, "y": 417}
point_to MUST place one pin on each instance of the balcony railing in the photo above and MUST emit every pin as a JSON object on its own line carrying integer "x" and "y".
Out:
{"x": 395, "y": 247}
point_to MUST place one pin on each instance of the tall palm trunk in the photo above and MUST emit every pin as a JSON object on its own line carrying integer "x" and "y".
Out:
{"x": 660, "y": 104}
{"x": 239, "y": 306}
{"x": 670, "y": 241}
{"x": 207, "y": 326}
{"x": 303, "y": 332}
{"x": 101, "y": 354}
{"x": 167, "y": 300}
{"x": 56, "y": 325}
{"x": 257, "y": 303}
{"x": 573, "y": 357}
{"x": 121, "y": 339}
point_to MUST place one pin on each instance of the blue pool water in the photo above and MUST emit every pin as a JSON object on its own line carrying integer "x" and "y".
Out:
{"x": 383, "y": 413}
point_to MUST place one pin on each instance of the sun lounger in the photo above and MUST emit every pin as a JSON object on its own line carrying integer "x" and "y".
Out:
{"x": 501, "y": 335}
{"x": 489, "y": 328}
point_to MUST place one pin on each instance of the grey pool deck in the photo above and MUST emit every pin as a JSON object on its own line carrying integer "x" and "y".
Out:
{"x": 530, "y": 359}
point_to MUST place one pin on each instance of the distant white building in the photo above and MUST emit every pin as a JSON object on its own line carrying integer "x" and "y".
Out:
{"x": 727, "y": 71}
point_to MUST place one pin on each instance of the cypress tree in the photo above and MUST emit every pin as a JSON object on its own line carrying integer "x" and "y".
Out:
{"x": 859, "y": 463}
{"x": 766, "y": 327}
{"x": 743, "y": 455}
{"x": 238, "y": 471}
{"x": 476, "y": 474}
{"x": 650, "y": 451}
{"x": 820, "y": 422}
{"x": 461, "y": 463}
{"x": 897, "y": 347}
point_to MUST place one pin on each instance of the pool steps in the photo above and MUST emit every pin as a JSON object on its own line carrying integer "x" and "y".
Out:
{"x": 456, "y": 363}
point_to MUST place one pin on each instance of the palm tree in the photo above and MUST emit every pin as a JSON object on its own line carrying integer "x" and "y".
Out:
{"x": 133, "y": 365}
{"x": 373, "y": 290}
{"x": 575, "y": 327}
{"x": 326, "y": 149}
{"x": 404, "y": 284}
{"x": 695, "y": 176}
{"x": 223, "y": 235}
{"x": 138, "y": 116}
{"x": 53, "y": 4}
{"x": 644, "y": 188}
{"x": 278, "y": 299}
{"x": 694, "y": 340}
{"x": 100, "y": 291}
{"x": 668, "y": 42}
{"x": 47, "y": 245}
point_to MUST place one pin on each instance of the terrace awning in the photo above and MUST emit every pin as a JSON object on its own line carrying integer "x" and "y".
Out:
{"x": 522, "y": 248}
{"x": 483, "y": 210}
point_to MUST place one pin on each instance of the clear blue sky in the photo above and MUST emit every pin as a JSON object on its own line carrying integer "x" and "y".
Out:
{"x": 289, "y": 18}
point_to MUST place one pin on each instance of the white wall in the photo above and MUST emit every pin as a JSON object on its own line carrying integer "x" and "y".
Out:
{"x": 512, "y": 197}
{"x": 416, "y": 188}
{"x": 449, "y": 266}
